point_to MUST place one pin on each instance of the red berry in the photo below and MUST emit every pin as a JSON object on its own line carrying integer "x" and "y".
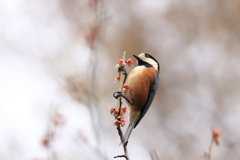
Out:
{"x": 124, "y": 109}
{"x": 117, "y": 77}
{"x": 121, "y": 63}
{"x": 45, "y": 142}
{"x": 126, "y": 86}
{"x": 112, "y": 110}
{"x": 117, "y": 123}
{"x": 216, "y": 133}
{"x": 129, "y": 62}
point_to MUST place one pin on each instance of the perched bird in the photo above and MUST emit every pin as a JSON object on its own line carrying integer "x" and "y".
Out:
{"x": 144, "y": 82}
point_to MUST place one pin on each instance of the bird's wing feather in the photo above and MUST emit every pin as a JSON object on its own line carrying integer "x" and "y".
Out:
{"x": 152, "y": 93}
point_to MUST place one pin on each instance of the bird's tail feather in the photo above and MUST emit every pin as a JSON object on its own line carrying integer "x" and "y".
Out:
{"x": 128, "y": 132}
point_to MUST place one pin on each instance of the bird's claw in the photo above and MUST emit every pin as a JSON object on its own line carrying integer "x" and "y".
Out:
{"x": 122, "y": 69}
{"x": 118, "y": 94}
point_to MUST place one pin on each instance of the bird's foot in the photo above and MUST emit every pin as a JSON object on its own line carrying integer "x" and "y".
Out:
{"x": 122, "y": 69}
{"x": 119, "y": 94}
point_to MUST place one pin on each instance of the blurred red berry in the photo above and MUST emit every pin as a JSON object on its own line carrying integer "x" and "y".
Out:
{"x": 122, "y": 120}
{"x": 47, "y": 139}
{"x": 117, "y": 123}
{"x": 129, "y": 62}
{"x": 121, "y": 63}
{"x": 117, "y": 77}
{"x": 112, "y": 110}
{"x": 115, "y": 112}
{"x": 126, "y": 86}
{"x": 216, "y": 132}
{"x": 45, "y": 142}
{"x": 124, "y": 109}
{"x": 121, "y": 112}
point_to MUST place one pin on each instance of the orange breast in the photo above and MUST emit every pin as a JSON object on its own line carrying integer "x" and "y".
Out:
{"x": 140, "y": 81}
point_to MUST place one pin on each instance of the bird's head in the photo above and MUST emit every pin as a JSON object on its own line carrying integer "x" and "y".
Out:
{"x": 147, "y": 60}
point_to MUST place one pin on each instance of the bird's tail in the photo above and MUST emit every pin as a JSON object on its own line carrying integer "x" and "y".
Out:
{"x": 128, "y": 132}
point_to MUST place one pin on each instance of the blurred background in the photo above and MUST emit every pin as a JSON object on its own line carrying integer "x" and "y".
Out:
{"x": 57, "y": 62}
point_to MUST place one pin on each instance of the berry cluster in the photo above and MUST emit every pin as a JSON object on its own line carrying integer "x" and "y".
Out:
{"x": 119, "y": 116}
{"x": 122, "y": 63}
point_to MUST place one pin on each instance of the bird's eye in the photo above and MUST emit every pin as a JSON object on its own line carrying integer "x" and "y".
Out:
{"x": 147, "y": 56}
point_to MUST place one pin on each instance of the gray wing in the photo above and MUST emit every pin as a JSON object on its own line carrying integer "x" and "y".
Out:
{"x": 152, "y": 93}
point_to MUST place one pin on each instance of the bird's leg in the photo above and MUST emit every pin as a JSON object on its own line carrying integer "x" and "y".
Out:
{"x": 119, "y": 94}
{"x": 122, "y": 69}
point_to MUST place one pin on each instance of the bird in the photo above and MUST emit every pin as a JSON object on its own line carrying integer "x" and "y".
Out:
{"x": 144, "y": 82}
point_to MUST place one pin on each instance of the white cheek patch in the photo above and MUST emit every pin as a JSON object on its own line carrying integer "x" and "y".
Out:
{"x": 142, "y": 55}
{"x": 153, "y": 63}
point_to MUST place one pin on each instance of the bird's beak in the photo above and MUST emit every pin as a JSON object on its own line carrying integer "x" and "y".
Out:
{"x": 138, "y": 58}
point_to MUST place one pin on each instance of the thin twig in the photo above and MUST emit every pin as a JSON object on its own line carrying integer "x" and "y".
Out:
{"x": 119, "y": 156}
{"x": 120, "y": 133}
{"x": 210, "y": 149}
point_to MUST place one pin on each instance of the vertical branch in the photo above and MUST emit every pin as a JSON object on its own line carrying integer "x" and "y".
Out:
{"x": 119, "y": 106}
{"x": 119, "y": 102}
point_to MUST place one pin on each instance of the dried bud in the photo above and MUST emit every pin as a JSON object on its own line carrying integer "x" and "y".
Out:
{"x": 123, "y": 122}
{"x": 119, "y": 117}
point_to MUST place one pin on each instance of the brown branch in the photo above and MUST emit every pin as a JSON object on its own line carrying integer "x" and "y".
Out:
{"x": 119, "y": 156}
{"x": 122, "y": 140}
{"x": 119, "y": 106}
